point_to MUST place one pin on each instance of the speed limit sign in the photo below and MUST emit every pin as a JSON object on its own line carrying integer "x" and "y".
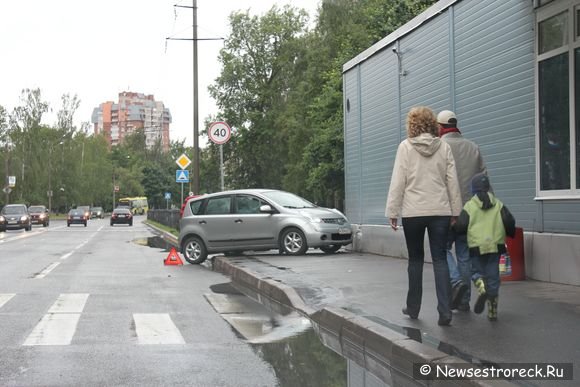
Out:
{"x": 219, "y": 132}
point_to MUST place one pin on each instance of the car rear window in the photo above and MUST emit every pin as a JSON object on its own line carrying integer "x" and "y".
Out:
{"x": 195, "y": 206}
{"x": 12, "y": 210}
{"x": 36, "y": 209}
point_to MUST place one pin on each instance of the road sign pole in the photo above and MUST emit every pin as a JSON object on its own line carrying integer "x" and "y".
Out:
{"x": 222, "y": 165}
{"x": 181, "y": 194}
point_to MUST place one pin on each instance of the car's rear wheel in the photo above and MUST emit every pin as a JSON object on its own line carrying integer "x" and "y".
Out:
{"x": 330, "y": 249}
{"x": 194, "y": 250}
{"x": 28, "y": 228}
{"x": 293, "y": 242}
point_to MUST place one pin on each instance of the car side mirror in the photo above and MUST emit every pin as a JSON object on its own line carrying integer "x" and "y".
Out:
{"x": 267, "y": 209}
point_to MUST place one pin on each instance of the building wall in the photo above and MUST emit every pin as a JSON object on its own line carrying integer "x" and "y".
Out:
{"x": 477, "y": 59}
{"x": 132, "y": 112}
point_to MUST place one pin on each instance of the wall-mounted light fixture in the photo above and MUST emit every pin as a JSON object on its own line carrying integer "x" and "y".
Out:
{"x": 400, "y": 61}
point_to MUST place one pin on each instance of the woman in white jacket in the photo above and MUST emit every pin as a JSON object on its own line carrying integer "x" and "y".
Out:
{"x": 425, "y": 193}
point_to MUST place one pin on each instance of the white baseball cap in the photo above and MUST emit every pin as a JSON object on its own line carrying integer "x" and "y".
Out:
{"x": 447, "y": 117}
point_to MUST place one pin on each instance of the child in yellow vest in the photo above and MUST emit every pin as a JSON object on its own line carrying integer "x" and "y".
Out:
{"x": 486, "y": 221}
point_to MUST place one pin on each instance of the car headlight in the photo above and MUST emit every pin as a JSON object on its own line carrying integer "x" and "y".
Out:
{"x": 23, "y": 218}
{"x": 42, "y": 216}
{"x": 2, "y": 219}
{"x": 311, "y": 218}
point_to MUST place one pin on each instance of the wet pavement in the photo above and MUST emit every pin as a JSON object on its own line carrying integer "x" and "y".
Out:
{"x": 284, "y": 339}
{"x": 538, "y": 322}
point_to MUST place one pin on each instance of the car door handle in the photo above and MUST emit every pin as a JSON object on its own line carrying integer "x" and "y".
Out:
{"x": 238, "y": 221}
{"x": 202, "y": 222}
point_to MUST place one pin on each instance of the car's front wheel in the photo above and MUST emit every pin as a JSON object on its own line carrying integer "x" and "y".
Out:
{"x": 293, "y": 241}
{"x": 330, "y": 249}
{"x": 194, "y": 250}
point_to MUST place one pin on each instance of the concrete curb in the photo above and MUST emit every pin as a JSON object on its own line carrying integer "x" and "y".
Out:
{"x": 172, "y": 239}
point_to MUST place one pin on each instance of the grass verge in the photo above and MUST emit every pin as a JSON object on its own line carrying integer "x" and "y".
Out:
{"x": 163, "y": 227}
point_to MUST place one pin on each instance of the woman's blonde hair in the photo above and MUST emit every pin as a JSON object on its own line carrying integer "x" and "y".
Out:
{"x": 421, "y": 119}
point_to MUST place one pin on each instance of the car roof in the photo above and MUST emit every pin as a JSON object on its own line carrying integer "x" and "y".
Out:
{"x": 238, "y": 191}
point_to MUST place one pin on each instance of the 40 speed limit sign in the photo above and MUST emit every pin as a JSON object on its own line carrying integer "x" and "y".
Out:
{"x": 219, "y": 132}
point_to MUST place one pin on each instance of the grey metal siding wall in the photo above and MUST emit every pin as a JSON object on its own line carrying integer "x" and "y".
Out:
{"x": 426, "y": 59}
{"x": 380, "y": 132}
{"x": 352, "y": 132}
{"x": 494, "y": 63}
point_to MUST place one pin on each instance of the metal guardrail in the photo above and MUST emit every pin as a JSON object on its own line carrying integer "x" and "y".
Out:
{"x": 169, "y": 218}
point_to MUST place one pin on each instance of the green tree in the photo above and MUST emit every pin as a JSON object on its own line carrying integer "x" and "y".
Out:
{"x": 259, "y": 69}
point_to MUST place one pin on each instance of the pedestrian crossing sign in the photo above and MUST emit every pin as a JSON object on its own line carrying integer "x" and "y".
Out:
{"x": 182, "y": 176}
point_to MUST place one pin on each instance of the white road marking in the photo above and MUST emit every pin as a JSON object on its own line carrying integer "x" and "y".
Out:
{"x": 59, "y": 325}
{"x": 54, "y": 329}
{"x": 4, "y": 298}
{"x": 45, "y": 272}
{"x": 66, "y": 255}
{"x": 156, "y": 328}
{"x": 69, "y": 303}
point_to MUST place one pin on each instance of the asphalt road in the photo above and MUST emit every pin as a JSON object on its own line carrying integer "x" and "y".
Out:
{"x": 88, "y": 306}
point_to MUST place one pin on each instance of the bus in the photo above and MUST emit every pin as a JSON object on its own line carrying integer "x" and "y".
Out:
{"x": 138, "y": 205}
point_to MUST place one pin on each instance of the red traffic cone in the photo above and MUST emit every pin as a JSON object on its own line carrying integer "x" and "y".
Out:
{"x": 173, "y": 258}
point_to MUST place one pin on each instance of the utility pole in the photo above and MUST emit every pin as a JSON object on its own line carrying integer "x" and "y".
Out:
{"x": 196, "y": 158}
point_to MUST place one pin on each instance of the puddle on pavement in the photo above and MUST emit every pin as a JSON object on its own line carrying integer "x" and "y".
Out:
{"x": 156, "y": 242}
{"x": 284, "y": 339}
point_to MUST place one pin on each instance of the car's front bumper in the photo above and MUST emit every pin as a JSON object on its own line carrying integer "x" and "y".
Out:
{"x": 325, "y": 234}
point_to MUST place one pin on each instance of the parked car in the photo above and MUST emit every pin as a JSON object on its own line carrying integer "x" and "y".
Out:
{"x": 97, "y": 212}
{"x": 77, "y": 216}
{"x": 39, "y": 215}
{"x": 122, "y": 215}
{"x": 15, "y": 217}
{"x": 86, "y": 210}
{"x": 259, "y": 219}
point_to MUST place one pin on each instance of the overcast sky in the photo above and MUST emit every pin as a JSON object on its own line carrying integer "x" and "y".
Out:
{"x": 96, "y": 49}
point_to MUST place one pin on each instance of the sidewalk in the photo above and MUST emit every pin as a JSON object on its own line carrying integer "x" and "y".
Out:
{"x": 537, "y": 323}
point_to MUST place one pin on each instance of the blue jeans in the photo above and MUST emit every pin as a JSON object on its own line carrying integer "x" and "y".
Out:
{"x": 487, "y": 266}
{"x": 460, "y": 270}
{"x": 437, "y": 228}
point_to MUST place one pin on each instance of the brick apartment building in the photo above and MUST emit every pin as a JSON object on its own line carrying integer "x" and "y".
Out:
{"x": 132, "y": 112}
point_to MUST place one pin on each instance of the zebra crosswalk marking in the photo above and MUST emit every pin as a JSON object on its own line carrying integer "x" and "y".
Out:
{"x": 69, "y": 303}
{"x": 4, "y": 298}
{"x": 59, "y": 325}
{"x": 54, "y": 329}
{"x": 156, "y": 328}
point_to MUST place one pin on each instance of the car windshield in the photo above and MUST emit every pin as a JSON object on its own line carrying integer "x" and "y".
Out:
{"x": 121, "y": 211}
{"x": 288, "y": 200}
{"x": 36, "y": 209}
{"x": 97, "y": 209}
{"x": 76, "y": 212}
{"x": 13, "y": 210}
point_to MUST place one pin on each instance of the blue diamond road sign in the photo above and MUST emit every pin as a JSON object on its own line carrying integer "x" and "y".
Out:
{"x": 182, "y": 176}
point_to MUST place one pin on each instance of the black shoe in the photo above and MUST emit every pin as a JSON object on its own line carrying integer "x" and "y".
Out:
{"x": 444, "y": 321}
{"x": 457, "y": 294}
{"x": 412, "y": 316}
{"x": 463, "y": 307}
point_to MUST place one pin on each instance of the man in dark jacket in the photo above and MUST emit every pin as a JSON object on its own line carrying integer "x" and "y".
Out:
{"x": 468, "y": 162}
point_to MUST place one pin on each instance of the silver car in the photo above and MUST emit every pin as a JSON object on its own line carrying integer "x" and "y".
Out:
{"x": 259, "y": 219}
